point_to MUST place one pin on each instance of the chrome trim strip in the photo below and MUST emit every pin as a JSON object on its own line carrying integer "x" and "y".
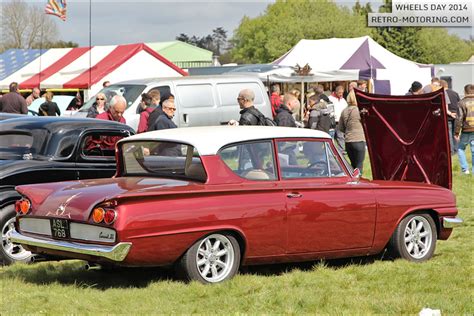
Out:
{"x": 117, "y": 252}
{"x": 450, "y": 222}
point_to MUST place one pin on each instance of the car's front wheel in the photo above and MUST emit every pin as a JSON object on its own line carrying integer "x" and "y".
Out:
{"x": 212, "y": 259}
{"x": 414, "y": 238}
{"x": 10, "y": 252}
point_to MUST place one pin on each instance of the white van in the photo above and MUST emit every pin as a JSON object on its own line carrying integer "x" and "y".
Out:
{"x": 199, "y": 100}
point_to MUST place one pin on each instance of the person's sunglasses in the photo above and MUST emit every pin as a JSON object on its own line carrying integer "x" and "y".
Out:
{"x": 100, "y": 99}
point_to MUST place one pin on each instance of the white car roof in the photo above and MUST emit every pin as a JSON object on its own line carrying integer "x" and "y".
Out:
{"x": 209, "y": 139}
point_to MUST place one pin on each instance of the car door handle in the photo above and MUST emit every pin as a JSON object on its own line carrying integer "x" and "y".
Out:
{"x": 294, "y": 195}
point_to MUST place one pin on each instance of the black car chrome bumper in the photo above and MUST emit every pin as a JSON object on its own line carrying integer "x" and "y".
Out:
{"x": 117, "y": 252}
{"x": 450, "y": 222}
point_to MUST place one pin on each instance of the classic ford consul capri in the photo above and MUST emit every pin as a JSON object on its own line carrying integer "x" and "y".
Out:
{"x": 211, "y": 199}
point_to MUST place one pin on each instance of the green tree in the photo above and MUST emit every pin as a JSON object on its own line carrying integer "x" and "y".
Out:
{"x": 284, "y": 23}
{"x": 440, "y": 47}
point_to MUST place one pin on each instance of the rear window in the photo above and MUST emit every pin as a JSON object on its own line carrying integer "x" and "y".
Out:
{"x": 162, "y": 159}
{"x": 16, "y": 146}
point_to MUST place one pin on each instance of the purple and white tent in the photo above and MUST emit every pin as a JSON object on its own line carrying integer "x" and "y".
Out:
{"x": 342, "y": 59}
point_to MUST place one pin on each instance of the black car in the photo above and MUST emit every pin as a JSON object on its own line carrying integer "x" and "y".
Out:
{"x": 49, "y": 149}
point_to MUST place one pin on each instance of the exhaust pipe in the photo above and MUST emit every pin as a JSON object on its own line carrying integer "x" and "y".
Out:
{"x": 93, "y": 266}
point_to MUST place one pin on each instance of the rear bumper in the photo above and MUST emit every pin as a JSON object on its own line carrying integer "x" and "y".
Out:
{"x": 117, "y": 252}
{"x": 451, "y": 222}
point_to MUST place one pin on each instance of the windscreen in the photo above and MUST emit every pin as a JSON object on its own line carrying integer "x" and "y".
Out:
{"x": 128, "y": 91}
{"x": 161, "y": 159}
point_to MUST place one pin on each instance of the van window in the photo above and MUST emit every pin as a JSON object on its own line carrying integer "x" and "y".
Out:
{"x": 194, "y": 96}
{"x": 228, "y": 92}
{"x": 162, "y": 89}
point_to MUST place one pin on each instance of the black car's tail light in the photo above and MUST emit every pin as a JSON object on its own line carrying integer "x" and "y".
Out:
{"x": 23, "y": 206}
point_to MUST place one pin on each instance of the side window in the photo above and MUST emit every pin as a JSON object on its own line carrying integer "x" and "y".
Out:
{"x": 195, "y": 96}
{"x": 162, "y": 89}
{"x": 100, "y": 145}
{"x": 303, "y": 159}
{"x": 253, "y": 161}
{"x": 228, "y": 92}
{"x": 335, "y": 167}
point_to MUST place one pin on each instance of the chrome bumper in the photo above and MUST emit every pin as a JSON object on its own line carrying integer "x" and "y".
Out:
{"x": 117, "y": 252}
{"x": 450, "y": 222}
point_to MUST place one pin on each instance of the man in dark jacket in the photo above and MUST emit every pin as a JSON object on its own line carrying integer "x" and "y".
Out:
{"x": 13, "y": 102}
{"x": 158, "y": 111}
{"x": 165, "y": 121}
{"x": 249, "y": 115}
{"x": 284, "y": 115}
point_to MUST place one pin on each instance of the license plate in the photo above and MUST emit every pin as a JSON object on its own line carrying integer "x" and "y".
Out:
{"x": 59, "y": 228}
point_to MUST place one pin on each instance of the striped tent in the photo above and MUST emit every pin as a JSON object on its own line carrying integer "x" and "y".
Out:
{"x": 68, "y": 68}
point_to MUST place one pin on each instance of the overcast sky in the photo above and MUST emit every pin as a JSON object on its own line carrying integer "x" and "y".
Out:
{"x": 121, "y": 22}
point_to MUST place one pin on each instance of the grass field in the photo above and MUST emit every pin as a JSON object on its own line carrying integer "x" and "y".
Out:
{"x": 356, "y": 286}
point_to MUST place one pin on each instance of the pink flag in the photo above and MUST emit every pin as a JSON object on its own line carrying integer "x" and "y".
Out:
{"x": 57, "y": 8}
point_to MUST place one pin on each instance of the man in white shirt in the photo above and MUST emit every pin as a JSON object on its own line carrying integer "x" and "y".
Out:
{"x": 340, "y": 104}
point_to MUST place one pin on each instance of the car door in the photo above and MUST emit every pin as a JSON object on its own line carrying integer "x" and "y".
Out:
{"x": 327, "y": 209}
{"x": 259, "y": 195}
{"x": 96, "y": 153}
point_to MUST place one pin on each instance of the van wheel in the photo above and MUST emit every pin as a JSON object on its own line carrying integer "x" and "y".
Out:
{"x": 10, "y": 252}
{"x": 212, "y": 259}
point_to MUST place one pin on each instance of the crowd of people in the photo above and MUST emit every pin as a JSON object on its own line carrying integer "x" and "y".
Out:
{"x": 335, "y": 114}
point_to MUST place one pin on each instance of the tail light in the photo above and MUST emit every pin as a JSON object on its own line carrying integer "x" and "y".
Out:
{"x": 98, "y": 215}
{"x": 23, "y": 206}
{"x": 104, "y": 214}
{"x": 110, "y": 216}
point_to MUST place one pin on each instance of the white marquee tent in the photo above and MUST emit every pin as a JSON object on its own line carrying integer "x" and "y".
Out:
{"x": 341, "y": 59}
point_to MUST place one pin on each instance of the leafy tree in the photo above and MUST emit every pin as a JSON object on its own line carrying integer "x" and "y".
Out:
{"x": 284, "y": 23}
{"x": 423, "y": 45}
{"x": 437, "y": 46}
{"x": 219, "y": 38}
{"x": 215, "y": 42}
{"x": 60, "y": 44}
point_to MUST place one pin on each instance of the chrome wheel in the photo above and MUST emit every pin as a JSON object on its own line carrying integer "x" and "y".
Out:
{"x": 215, "y": 258}
{"x": 418, "y": 237}
{"x": 15, "y": 252}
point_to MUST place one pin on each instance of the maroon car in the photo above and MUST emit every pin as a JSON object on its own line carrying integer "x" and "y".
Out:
{"x": 211, "y": 199}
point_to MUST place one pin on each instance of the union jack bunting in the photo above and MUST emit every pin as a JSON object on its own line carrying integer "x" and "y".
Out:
{"x": 57, "y": 8}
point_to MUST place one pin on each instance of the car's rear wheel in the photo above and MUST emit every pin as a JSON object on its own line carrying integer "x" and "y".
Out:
{"x": 414, "y": 238}
{"x": 212, "y": 259}
{"x": 10, "y": 252}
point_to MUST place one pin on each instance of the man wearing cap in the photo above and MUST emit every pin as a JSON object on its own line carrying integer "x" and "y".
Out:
{"x": 416, "y": 88}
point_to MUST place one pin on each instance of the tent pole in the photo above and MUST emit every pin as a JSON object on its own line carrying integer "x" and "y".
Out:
{"x": 301, "y": 100}
{"x": 90, "y": 44}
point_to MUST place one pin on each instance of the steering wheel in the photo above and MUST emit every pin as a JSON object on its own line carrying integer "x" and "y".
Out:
{"x": 320, "y": 168}
{"x": 95, "y": 151}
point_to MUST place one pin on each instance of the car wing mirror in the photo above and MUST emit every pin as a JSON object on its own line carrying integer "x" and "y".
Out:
{"x": 356, "y": 173}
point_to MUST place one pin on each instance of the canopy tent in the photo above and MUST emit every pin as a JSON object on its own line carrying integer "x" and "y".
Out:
{"x": 183, "y": 54}
{"x": 341, "y": 59}
{"x": 87, "y": 67}
{"x": 13, "y": 59}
